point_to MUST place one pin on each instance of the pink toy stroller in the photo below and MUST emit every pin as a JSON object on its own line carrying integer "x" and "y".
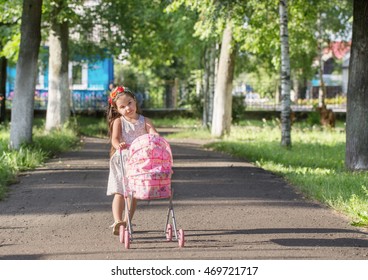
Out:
{"x": 149, "y": 170}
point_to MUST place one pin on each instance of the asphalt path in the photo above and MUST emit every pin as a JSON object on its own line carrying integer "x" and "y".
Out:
{"x": 228, "y": 209}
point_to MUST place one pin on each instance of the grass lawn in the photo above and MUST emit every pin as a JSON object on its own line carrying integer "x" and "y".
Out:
{"x": 44, "y": 146}
{"x": 315, "y": 164}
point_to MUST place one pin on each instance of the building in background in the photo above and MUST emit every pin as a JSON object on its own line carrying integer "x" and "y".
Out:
{"x": 335, "y": 67}
{"x": 89, "y": 85}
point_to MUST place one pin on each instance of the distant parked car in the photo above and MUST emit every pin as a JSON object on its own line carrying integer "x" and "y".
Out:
{"x": 252, "y": 97}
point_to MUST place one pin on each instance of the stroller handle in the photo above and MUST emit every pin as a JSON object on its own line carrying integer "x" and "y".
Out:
{"x": 122, "y": 170}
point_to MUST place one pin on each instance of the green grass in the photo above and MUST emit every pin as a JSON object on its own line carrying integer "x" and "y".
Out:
{"x": 315, "y": 164}
{"x": 91, "y": 126}
{"x": 44, "y": 146}
{"x": 176, "y": 122}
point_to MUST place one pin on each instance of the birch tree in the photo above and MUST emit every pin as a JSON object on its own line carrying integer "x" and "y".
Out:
{"x": 285, "y": 75}
{"x": 213, "y": 16}
{"x": 221, "y": 119}
{"x": 209, "y": 79}
{"x": 25, "y": 83}
{"x": 322, "y": 92}
{"x": 58, "y": 106}
{"x": 357, "y": 97}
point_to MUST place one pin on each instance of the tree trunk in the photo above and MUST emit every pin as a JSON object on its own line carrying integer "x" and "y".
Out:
{"x": 3, "y": 64}
{"x": 25, "y": 82}
{"x": 285, "y": 76}
{"x": 170, "y": 94}
{"x": 205, "y": 86}
{"x": 322, "y": 87}
{"x": 212, "y": 81}
{"x": 221, "y": 119}
{"x": 176, "y": 92}
{"x": 357, "y": 96}
{"x": 58, "y": 106}
{"x": 209, "y": 84}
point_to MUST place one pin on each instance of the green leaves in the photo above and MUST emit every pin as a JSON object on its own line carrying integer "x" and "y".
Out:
{"x": 9, "y": 29}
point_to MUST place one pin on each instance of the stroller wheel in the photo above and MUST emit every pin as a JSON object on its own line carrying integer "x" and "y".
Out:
{"x": 169, "y": 232}
{"x": 121, "y": 234}
{"x": 181, "y": 238}
{"x": 126, "y": 239}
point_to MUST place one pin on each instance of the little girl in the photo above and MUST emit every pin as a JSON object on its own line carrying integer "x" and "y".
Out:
{"x": 125, "y": 124}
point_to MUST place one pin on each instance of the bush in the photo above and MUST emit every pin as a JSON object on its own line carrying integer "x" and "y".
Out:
{"x": 313, "y": 118}
{"x": 238, "y": 108}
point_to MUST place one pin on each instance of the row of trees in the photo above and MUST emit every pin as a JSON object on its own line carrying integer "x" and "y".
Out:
{"x": 172, "y": 38}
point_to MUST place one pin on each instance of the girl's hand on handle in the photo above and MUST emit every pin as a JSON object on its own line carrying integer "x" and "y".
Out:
{"x": 123, "y": 146}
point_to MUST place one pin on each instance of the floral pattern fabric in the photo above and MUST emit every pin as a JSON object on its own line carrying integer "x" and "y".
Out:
{"x": 149, "y": 167}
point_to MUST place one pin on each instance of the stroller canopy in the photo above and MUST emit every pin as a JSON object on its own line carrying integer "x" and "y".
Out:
{"x": 149, "y": 167}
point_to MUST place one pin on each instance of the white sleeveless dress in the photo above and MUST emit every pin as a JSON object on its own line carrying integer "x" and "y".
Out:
{"x": 130, "y": 132}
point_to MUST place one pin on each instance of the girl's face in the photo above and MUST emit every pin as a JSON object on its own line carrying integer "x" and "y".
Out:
{"x": 126, "y": 105}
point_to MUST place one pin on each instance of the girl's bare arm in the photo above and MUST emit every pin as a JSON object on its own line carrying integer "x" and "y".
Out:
{"x": 116, "y": 140}
{"x": 150, "y": 128}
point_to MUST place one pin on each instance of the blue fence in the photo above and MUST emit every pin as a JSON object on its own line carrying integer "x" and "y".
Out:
{"x": 82, "y": 100}
{"x": 91, "y": 100}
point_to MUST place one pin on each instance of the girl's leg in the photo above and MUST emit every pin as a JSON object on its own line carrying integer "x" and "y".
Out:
{"x": 132, "y": 206}
{"x": 118, "y": 205}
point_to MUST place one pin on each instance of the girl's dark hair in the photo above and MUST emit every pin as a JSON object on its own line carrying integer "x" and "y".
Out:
{"x": 112, "y": 113}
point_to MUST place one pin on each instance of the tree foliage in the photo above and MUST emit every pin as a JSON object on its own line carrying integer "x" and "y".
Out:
{"x": 9, "y": 29}
{"x": 169, "y": 38}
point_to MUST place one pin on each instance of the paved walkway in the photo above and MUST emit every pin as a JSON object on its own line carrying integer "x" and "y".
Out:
{"x": 228, "y": 208}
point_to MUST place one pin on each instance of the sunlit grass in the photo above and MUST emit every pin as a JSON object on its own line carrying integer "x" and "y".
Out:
{"x": 176, "y": 122}
{"x": 44, "y": 146}
{"x": 91, "y": 126}
{"x": 315, "y": 164}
